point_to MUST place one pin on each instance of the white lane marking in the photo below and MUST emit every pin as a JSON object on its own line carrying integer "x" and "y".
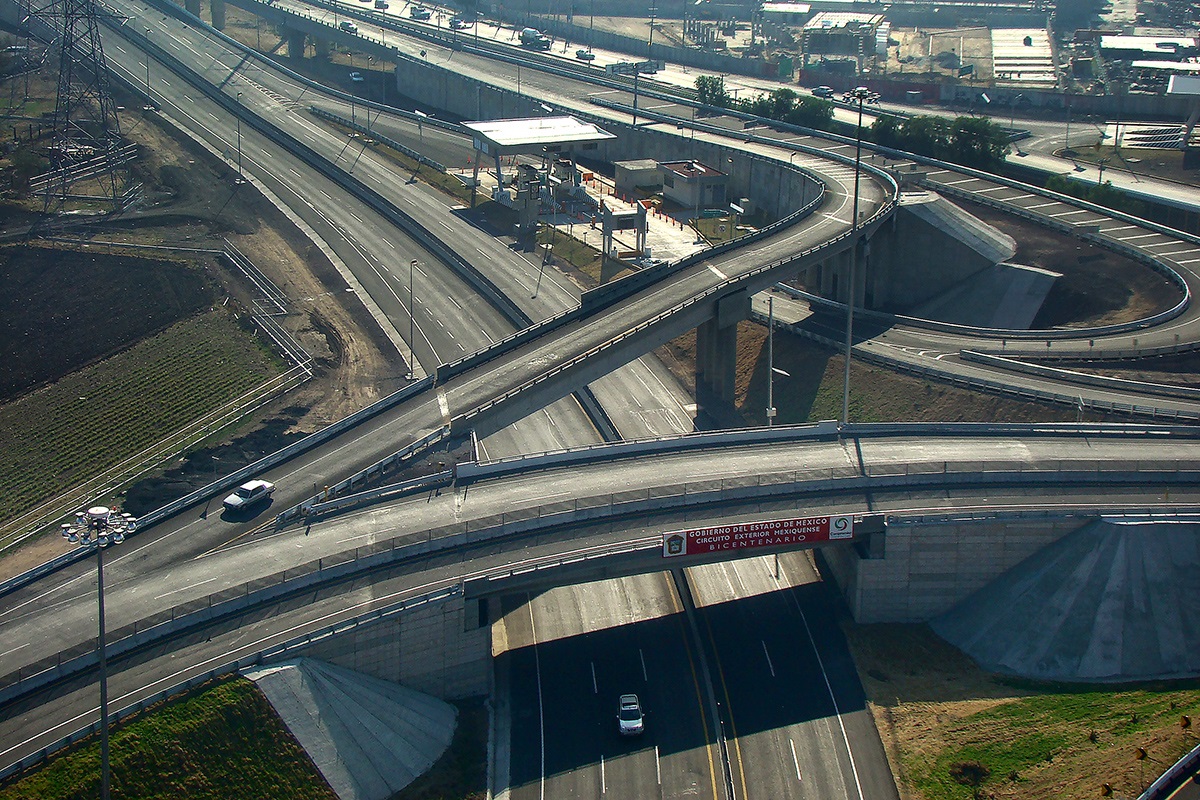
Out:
{"x": 184, "y": 588}
{"x": 595, "y": 686}
{"x": 443, "y": 224}
{"x": 795, "y": 760}
{"x": 1042, "y": 205}
{"x": 297, "y": 174}
{"x": 356, "y": 217}
{"x": 1188, "y": 261}
{"x": 1139, "y": 236}
{"x": 642, "y": 656}
{"x": 717, "y": 272}
{"x": 455, "y": 302}
{"x": 767, "y": 653}
{"x": 837, "y": 711}
{"x": 603, "y": 788}
{"x": 482, "y": 253}
{"x": 657, "y": 766}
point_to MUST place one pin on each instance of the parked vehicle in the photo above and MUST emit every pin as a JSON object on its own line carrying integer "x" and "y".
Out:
{"x": 381, "y": 5}
{"x": 248, "y": 494}
{"x": 583, "y": 54}
{"x": 823, "y": 91}
{"x": 420, "y": 12}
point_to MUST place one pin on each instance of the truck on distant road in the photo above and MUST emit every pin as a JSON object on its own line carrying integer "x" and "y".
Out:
{"x": 535, "y": 39}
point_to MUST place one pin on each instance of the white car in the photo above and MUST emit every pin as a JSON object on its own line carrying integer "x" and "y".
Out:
{"x": 357, "y": 77}
{"x": 348, "y": 26}
{"x": 583, "y": 54}
{"x": 630, "y": 720}
{"x": 248, "y": 494}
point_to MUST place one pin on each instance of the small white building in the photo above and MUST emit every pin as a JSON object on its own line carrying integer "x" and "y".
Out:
{"x": 693, "y": 184}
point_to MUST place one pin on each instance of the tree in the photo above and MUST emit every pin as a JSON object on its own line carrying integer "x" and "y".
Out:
{"x": 977, "y": 142}
{"x": 710, "y": 90}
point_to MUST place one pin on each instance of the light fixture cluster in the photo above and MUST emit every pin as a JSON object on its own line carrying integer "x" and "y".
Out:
{"x": 99, "y": 525}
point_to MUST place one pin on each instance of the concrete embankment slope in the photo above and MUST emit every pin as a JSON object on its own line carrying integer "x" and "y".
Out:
{"x": 369, "y": 737}
{"x": 1113, "y": 601}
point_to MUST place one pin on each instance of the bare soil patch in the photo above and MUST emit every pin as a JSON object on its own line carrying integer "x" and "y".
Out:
{"x": 1097, "y": 287}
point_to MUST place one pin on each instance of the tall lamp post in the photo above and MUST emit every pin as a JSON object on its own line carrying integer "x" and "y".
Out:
{"x": 412, "y": 315}
{"x": 239, "y": 137}
{"x": 860, "y": 93}
{"x": 95, "y": 529}
{"x": 149, "y": 102}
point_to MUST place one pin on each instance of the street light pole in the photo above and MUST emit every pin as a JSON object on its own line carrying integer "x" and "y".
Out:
{"x": 239, "y": 136}
{"x": 149, "y": 102}
{"x": 412, "y": 342}
{"x": 770, "y": 361}
{"x": 860, "y": 93}
{"x": 107, "y": 526}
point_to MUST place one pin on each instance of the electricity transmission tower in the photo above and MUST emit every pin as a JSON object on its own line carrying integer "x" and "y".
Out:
{"x": 85, "y": 148}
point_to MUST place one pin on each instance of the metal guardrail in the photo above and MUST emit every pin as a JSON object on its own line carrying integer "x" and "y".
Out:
{"x": 1176, "y": 775}
{"x": 306, "y": 507}
{"x": 992, "y": 386}
{"x": 235, "y": 600}
{"x": 392, "y": 143}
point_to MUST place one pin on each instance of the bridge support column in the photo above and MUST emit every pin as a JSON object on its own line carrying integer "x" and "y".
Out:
{"x": 716, "y": 358}
{"x": 192, "y": 7}
{"x": 218, "y": 14}
{"x": 323, "y": 47}
{"x": 295, "y": 43}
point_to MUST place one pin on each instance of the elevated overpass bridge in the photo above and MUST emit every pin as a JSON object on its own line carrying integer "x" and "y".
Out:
{"x": 525, "y": 523}
{"x": 489, "y": 390}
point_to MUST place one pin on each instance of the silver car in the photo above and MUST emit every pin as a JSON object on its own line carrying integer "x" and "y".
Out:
{"x": 248, "y": 494}
{"x": 630, "y": 720}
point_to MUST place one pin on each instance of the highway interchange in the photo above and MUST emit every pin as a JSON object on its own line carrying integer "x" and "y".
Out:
{"x": 642, "y": 400}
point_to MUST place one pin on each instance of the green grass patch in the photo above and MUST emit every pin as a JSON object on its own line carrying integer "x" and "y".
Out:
{"x": 1064, "y": 731}
{"x": 219, "y": 742}
{"x": 95, "y": 417}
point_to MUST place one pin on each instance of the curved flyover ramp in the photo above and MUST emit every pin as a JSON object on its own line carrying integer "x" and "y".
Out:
{"x": 1113, "y": 601}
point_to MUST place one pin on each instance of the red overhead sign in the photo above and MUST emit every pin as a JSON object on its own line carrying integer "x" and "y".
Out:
{"x": 766, "y": 533}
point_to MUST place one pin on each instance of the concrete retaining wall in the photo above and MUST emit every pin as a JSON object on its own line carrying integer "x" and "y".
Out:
{"x": 426, "y": 649}
{"x": 928, "y": 567}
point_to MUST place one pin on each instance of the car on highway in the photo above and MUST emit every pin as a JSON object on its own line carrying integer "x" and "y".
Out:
{"x": 583, "y": 54}
{"x": 458, "y": 23}
{"x": 348, "y": 26}
{"x": 630, "y": 719}
{"x": 249, "y": 494}
{"x": 420, "y": 12}
{"x": 357, "y": 77}
{"x": 823, "y": 91}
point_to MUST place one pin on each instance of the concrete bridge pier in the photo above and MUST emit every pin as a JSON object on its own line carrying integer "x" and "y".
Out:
{"x": 218, "y": 14}
{"x": 295, "y": 43}
{"x": 323, "y": 48}
{"x": 192, "y": 7}
{"x": 716, "y": 358}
